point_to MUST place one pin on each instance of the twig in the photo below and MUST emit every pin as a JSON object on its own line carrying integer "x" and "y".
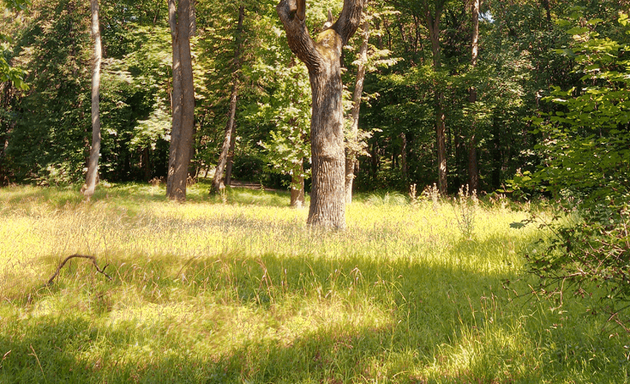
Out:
{"x": 80, "y": 257}
{"x": 38, "y": 363}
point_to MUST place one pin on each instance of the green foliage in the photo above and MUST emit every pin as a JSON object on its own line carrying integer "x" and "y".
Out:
{"x": 48, "y": 127}
{"x": 587, "y": 164}
{"x": 288, "y": 110}
{"x": 53, "y": 115}
{"x": 17, "y": 4}
{"x": 586, "y": 142}
{"x": 14, "y": 75}
{"x": 588, "y": 256}
{"x": 135, "y": 106}
{"x": 44, "y": 131}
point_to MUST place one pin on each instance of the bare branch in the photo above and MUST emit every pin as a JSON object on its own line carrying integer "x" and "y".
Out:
{"x": 298, "y": 37}
{"x": 50, "y": 281}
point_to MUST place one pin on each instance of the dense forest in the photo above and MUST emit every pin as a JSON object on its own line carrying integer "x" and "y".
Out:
{"x": 431, "y": 110}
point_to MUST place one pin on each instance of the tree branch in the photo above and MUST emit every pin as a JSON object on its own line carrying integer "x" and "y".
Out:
{"x": 350, "y": 19}
{"x": 50, "y": 281}
{"x": 298, "y": 7}
{"x": 300, "y": 41}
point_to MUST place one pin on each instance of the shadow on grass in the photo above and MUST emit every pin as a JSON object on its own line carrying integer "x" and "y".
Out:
{"x": 385, "y": 322}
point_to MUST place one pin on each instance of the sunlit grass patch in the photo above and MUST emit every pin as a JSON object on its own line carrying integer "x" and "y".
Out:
{"x": 244, "y": 291}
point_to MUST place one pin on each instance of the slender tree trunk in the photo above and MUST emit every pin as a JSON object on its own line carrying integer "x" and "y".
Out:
{"x": 473, "y": 167}
{"x": 497, "y": 156}
{"x": 4, "y": 143}
{"x": 183, "y": 100}
{"x": 176, "y": 104}
{"x": 374, "y": 157}
{"x": 146, "y": 156}
{"x": 297, "y": 187}
{"x": 353, "y": 147}
{"x": 92, "y": 174}
{"x": 546, "y": 5}
{"x": 433, "y": 22}
{"x": 323, "y": 60}
{"x": 403, "y": 156}
{"x": 230, "y": 128}
{"x": 230, "y": 161}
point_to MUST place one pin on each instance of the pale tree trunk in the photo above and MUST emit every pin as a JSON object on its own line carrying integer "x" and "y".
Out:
{"x": 230, "y": 161}
{"x": 473, "y": 167}
{"x": 403, "y": 156}
{"x": 230, "y": 128}
{"x": 183, "y": 100}
{"x": 352, "y": 148}
{"x": 297, "y": 187}
{"x": 95, "y": 150}
{"x": 322, "y": 57}
{"x": 433, "y": 23}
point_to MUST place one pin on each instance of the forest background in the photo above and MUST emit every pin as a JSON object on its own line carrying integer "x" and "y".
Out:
{"x": 526, "y": 50}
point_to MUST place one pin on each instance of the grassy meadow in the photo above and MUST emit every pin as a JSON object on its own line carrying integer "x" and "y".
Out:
{"x": 244, "y": 292}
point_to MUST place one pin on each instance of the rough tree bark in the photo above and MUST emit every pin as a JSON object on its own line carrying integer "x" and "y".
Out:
{"x": 433, "y": 24}
{"x": 230, "y": 128}
{"x": 322, "y": 57}
{"x": 95, "y": 150}
{"x": 182, "y": 100}
{"x": 352, "y": 148}
{"x": 473, "y": 167}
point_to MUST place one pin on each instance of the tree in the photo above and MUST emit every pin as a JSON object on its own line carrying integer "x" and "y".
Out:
{"x": 473, "y": 166}
{"x": 322, "y": 57}
{"x": 230, "y": 128}
{"x": 92, "y": 174}
{"x": 429, "y": 13}
{"x": 433, "y": 24}
{"x": 287, "y": 108}
{"x": 182, "y": 99}
{"x": 353, "y": 147}
{"x": 46, "y": 126}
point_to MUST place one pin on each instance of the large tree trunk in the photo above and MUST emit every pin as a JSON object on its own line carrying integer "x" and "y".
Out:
{"x": 433, "y": 23}
{"x": 353, "y": 147}
{"x": 473, "y": 167}
{"x": 183, "y": 100}
{"x": 230, "y": 128}
{"x": 323, "y": 60}
{"x": 92, "y": 174}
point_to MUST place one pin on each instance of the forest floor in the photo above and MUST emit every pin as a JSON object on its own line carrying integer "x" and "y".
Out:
{"x": 242, "y": 291}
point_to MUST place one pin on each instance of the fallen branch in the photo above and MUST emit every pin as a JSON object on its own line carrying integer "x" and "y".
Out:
{"x": 79, "y": 257}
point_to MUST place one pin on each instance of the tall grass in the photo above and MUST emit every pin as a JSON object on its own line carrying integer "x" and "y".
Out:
{"x": 208, "y": 292}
